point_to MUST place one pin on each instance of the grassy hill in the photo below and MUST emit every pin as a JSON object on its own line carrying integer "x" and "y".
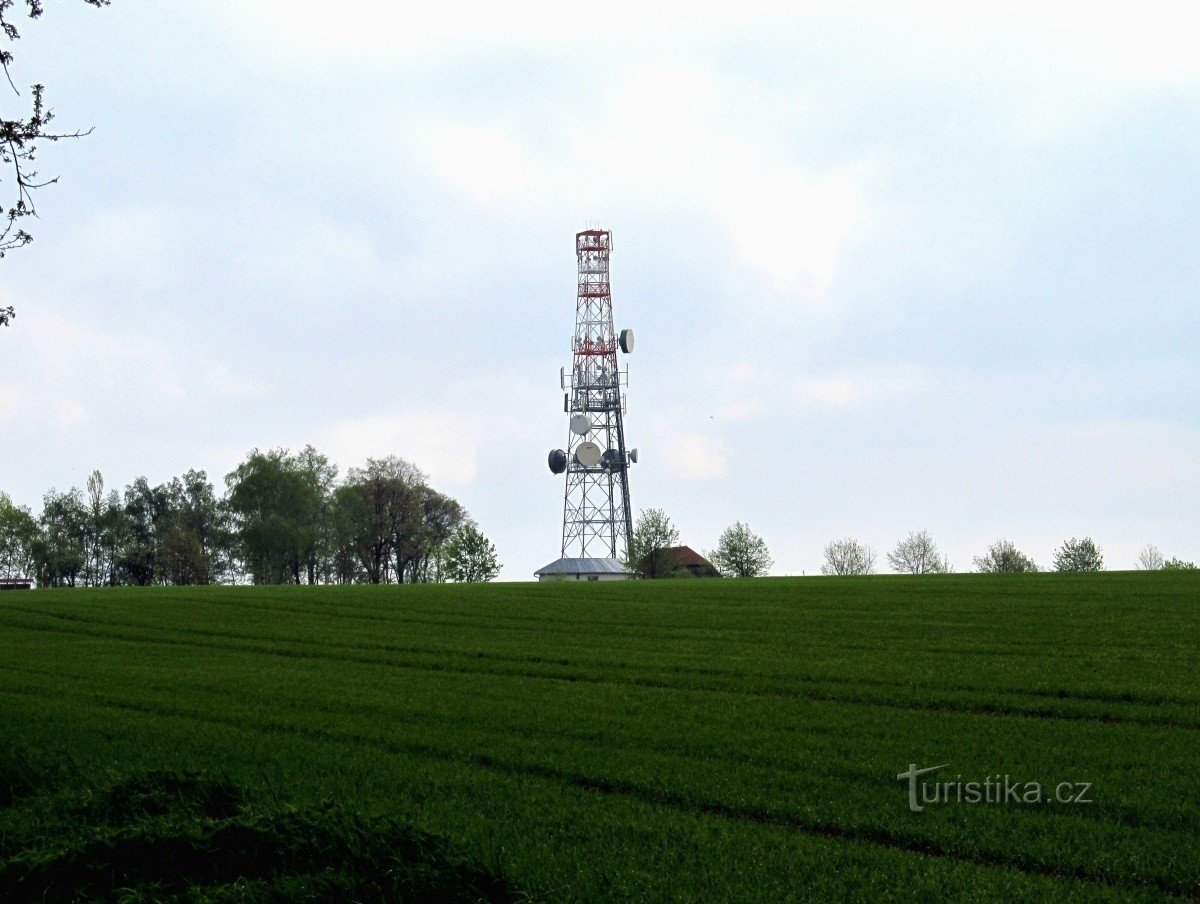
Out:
{"x": 699, "y": 740}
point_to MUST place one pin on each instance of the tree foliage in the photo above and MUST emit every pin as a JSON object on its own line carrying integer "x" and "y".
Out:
{"x": 18, "y": 534}
{"x": 389, "y": 524}
{"x": 1078, "y": 555}
{"x": 917, "y": 554}
{"x": 470, "y": 556}
{"x": 1174, "y": 564}
{"x": 60, "y": 549}
{"x": 652, "y": 536}
{"x": 285, "y": 518}
{"x": 1003, "y": 557}
{"x": 848, "y": 556}
{"x": 275, "y": 499}
{"x": 741, "y": 553}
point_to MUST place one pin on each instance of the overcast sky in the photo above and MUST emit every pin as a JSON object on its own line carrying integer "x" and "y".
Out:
{"x": 890, "y": 267}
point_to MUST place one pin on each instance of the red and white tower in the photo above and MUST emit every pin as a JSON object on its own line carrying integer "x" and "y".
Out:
{"x": 597, "y": 518}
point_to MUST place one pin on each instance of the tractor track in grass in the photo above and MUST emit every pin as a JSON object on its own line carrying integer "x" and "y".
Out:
{"x": 726, "y": 675}
{"x": 1113, "y": 814}
{"x": 752, "y": 636}
{"x": 877, "y": 836}
{"x": 72, "y": 626}
{"x": 1124, "y": 697}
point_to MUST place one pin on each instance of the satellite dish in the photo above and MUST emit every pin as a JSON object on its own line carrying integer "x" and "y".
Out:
{"x": 611, "y": 459}
{"x": 580, "y": 424}
{"x": 588, "y": 454}
{"x": 557, "y": 461}
{"x": 633, "y": 455}
{"x": 626, "y": 341}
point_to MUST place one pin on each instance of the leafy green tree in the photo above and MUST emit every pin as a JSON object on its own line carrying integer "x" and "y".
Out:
{"x": 421, "y": 559}
{"x": 275, "y": 501}
{"x": 144, "y": 513}
{"x": 378, "y": 515}
{"x": 470, "y": 556}
{"x": 848, "y": 556}
{"x": 323, "y": 475}
{"x": 182, "y": 559}
{"x": 360, "y": 535}
{"x": 60, "y": 551}
{"x": 741, "y": 553}
{"x": 1173, "y": 564}
{"x": 1003, "y": 557}
{"x": 96, "y": 560}
{"x": 18, "y": 534}
{"x": 652, "y": 536}
{"x": 1078, "y": 555}
{"x": 917, "y": 554}
{"x": 361, "y": 530}
{"x": 192, "y": 531}
{"x": 107, "y": 532}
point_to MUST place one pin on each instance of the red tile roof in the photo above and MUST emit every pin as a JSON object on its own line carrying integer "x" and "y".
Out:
{"x": 685, "y": 556}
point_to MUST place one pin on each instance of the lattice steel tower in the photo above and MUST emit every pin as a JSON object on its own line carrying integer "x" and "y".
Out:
{"x": 597, "y": 519}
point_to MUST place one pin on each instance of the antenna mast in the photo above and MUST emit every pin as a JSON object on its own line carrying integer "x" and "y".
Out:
{"x": 597, "y": 518}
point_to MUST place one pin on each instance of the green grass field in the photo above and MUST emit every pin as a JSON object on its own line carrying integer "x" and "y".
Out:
{"x": 683, "y": 740}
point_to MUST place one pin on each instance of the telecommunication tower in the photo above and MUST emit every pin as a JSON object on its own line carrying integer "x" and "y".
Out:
{"x": 597, "y": 519}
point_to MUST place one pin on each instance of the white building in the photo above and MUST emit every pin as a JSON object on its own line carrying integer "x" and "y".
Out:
{"x": 584, "y": 570}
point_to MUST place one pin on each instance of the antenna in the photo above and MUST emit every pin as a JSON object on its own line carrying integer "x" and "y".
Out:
{"x": 597, "y": 517}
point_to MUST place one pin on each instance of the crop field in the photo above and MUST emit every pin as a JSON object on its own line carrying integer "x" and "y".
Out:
{"x": 677, "y": 740}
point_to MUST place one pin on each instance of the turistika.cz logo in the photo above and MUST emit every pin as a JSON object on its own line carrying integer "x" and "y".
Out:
{"x": 995, "y": 789}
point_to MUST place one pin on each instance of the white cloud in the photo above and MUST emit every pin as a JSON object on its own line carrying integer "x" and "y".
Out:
{"x": 26, "y": 408}
{"x": 1151, "y": 41}
{"x": 483, "y": 164}
{"x": 834, "y": 391}
{"x": 63, "y": 373}
{"x": 658, "y": 132}
{"x": 67, "y": 374}
{"x": 131, "y": 246}
{"x": 738, "y": 409}
{"x": 695, "y": 457}
{"x": 742, "y": 374}
{"x": 787, "y": 224}
{"x": 384, "y": 33}
{"x": 861, "y": 386}
{"x": 445, "y": 445}
{"x": 222, "y": 380}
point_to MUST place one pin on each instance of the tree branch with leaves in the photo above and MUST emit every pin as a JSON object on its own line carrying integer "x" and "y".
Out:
{"x": 20, "y": 139}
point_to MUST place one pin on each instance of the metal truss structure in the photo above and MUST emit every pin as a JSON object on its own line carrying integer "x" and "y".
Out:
{"x": 597, "y": 519}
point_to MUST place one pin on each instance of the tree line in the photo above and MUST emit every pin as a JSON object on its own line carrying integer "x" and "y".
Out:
{"x": 919, "y": 554}
{"x": 742, "y": 553}
{"x": 284, "y": 518}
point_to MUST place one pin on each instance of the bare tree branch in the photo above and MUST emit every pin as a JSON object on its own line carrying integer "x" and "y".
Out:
{"x": 19, "y": 140}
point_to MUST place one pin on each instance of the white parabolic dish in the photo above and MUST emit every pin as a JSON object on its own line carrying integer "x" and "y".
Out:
{"x": 588, "y": 454}
{"x": 580, "y": 424}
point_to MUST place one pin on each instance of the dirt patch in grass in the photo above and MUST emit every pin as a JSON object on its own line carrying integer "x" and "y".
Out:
{"x": 191, "y": 837}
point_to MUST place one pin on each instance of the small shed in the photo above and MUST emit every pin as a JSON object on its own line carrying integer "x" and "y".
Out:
{"x": 16, "y": 583}
{"x": 584, "y": 570}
